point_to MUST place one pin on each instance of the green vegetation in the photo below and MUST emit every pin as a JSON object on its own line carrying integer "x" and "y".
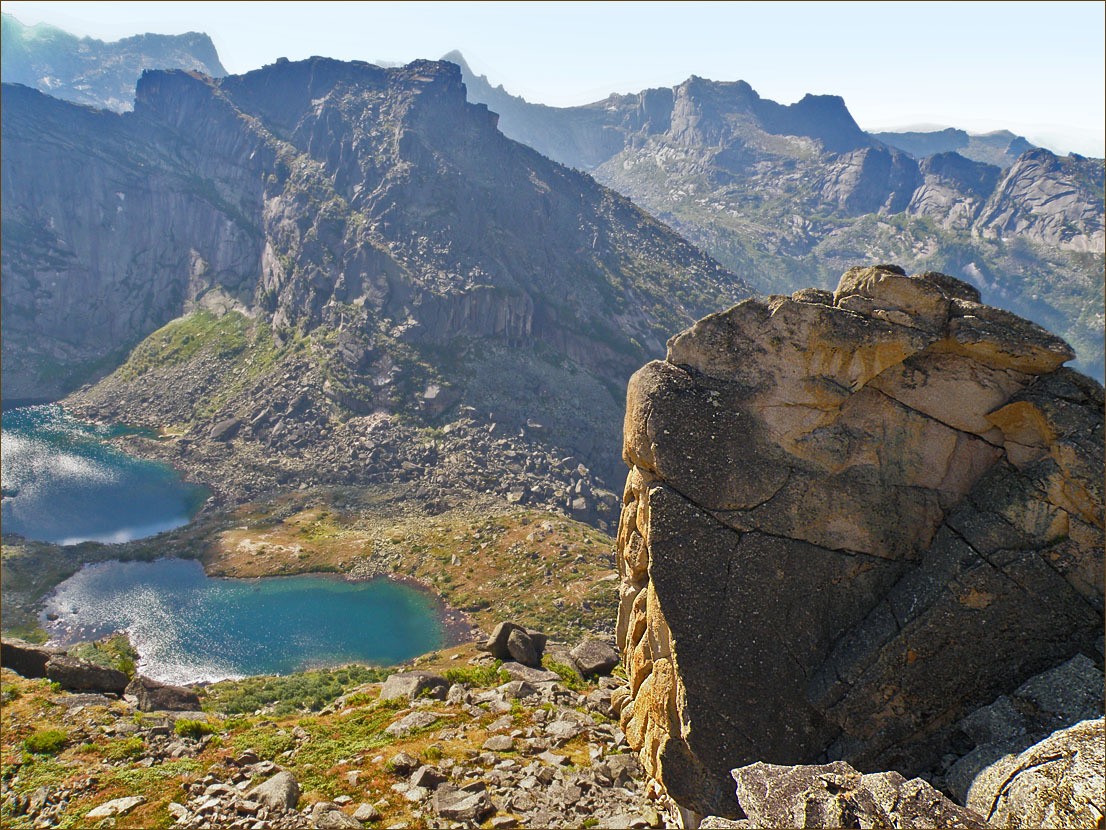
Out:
{"x": 569, "y": 676}
{"x": 480, "y": 676}
{"x": 182, "y": 339}
{"x": 115, "y": 652}
{"x": 125, "y": 748}
{"x": 267, "y": 743}
{"x": 310, "y": 690}
{"x": 193, "y": 728}
{"x": 45, "y": 742}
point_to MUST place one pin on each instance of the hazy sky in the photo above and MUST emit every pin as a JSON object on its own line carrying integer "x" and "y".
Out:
{"x": 1035, "y": 68}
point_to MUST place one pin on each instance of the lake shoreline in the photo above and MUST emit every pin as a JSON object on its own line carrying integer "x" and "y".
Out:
{"x": 338, "y": 626}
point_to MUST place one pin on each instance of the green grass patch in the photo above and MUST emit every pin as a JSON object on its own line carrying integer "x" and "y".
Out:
{"x": 569, "y": 676}
{"x": 114, "y": 652}
{"x": 265, "y": 742}
{"x": 182, "y": 339}
{"x": 311, "y": 690}
{"x": 193, "y": 728}
{"x": 479, "y": 676}
{"x": 124, "y": 748}
{"x": 45, "y": 742}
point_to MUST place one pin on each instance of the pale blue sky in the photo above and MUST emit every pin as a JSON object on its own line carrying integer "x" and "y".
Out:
{"x": 1035, "y": 68}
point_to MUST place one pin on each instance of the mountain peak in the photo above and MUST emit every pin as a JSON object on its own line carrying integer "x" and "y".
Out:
{"x": 85, "y": 70}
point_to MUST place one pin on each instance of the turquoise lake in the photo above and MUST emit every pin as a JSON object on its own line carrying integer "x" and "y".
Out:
{"x": 189, "y": 627}
{"x": 62, "y": 483}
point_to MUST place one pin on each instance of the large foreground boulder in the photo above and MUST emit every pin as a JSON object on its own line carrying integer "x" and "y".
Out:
{"x": 1060, "y": 782}
{"x": 850, "y": 521}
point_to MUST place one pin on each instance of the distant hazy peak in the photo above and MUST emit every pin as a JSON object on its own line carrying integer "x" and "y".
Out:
{"x": 101, "y": 73}
{"x": 999, "y": 147}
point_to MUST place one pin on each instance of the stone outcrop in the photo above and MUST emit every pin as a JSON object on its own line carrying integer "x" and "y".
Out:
{"x": 153, "y": 696}
{"x": 1060, "y": 782}
{"x": 1050, "y": 702}
{"x": 25, "y": 658}
{"x": 836, "y": 795}
{"x": 850, "y": 521}
{"x": 77, "y": 675}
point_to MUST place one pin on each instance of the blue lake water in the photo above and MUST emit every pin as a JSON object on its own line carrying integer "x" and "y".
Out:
{"x": 189, "y": 627}
{"x": 62, "y": 483}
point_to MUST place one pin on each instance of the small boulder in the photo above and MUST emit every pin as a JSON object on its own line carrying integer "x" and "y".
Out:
{"x": 1059, "y": 782}
{"x": 462, "y": 805}
{"x": 366, "y": 812}
{"x": 281, "y": 792}
{"x": 520, "y": 647}
{"x": 496, "y": 644}
{"x": 224, "y": 430}
{"x": 76, "y": 675}
{"x": 403, "y": 764}
{"x": 427, "y": 777}
{"x": 413, "y": 684}
{"x": 499, "y": 743}
{"x": 115, "y": 807}
{"x": 334, "y": 820}
{"x": 153, "y": 696}
{"x": 594, "y": 657}
{"x": 517, "y": 671}
{"x": 410, "y": 723}
{"x": 836, "y": 795}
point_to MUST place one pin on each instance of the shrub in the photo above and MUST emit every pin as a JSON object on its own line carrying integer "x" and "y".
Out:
{"x": 569, "y": 676}
{"x": 478, "y": 675}
{"x": 192, "y": 728}
{"x": 45, "y": 742}
{"x": 132, "y": 747}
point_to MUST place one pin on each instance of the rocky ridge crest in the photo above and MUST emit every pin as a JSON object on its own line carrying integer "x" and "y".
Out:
{"x": 850, "y": 520}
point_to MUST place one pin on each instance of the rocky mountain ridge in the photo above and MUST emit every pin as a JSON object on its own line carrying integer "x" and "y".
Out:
{"x": 348, "y": 241}
{"x": 790, "y": 196}
{"x": 90, "y": 71}
{"x": 1000, "y": 148}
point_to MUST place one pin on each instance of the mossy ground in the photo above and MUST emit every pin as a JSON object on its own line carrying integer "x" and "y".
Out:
{"x": 99, "y": 767}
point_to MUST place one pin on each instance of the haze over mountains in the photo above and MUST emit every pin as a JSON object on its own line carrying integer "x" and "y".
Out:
{"x": 792, "y": 195}
{"x": 89, "y": 71}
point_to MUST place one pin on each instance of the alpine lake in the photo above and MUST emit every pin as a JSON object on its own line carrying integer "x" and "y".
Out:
{"x": 65, "y": 483}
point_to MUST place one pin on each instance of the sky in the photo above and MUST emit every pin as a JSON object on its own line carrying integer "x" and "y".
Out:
{"x": 1034, "y": 68}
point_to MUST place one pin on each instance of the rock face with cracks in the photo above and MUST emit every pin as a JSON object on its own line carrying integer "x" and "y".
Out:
{"x": 850, "y": 520}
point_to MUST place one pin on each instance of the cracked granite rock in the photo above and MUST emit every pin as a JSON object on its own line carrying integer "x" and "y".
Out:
{"x": 850, "y": 521}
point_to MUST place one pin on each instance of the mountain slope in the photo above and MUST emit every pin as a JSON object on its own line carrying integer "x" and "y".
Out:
{"x": 793, "y": 195}
{"x": 382, "y": 258}
{"x": 90, "y": 71}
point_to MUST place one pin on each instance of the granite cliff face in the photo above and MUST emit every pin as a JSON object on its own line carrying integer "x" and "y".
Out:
{"x": 374, "y": 246}
{"x": 791, "y": 196}
{"x": 850, "y": 520}
{"x": 89, "y": 71}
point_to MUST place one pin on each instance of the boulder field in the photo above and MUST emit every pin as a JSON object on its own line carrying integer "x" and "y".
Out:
{"x": 851, "y": 520}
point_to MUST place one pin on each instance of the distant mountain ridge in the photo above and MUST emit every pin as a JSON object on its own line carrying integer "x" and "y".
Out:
{"x": 349, "y": 245}
{"x": 789, "y": 195}
{"x": 1000, "y": 148}
{"x": 95, "y": 72}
